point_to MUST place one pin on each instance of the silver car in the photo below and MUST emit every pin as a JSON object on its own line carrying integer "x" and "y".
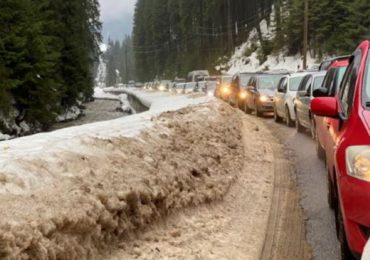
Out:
{"x": 284, "y": 98}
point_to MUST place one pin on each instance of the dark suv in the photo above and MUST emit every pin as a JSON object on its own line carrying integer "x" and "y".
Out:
{"x": 259, "y": 94}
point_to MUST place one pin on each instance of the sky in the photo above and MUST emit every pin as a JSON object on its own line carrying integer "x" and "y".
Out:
{"x": 117, "y": 17}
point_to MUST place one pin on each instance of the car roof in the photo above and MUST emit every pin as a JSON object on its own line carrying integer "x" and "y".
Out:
{"x": 339, "y": 63}
{"x": 333, "y": 60}
{"x": 298, "y": 74}
{"x": 246, "y": 73}
{"x": 317, "y": 73}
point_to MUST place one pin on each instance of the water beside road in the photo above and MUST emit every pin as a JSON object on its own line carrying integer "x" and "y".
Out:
{"x": 96, "y": 111}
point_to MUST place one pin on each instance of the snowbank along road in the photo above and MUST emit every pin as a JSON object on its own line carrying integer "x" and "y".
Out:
{"x": 200, "y": 181}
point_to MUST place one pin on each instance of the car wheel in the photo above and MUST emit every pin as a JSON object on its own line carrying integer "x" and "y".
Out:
{"x": 247, "y": 109}
{"x": 331, "y": 194}
{"x": 345, "y": 252}
{"x": 277, "y": 118}
{"x": 237, "y": 103}
{"x": 288, "y": 120}
{"x": 319, "y": 150}
{"x": 313, "y": 129}
{"x": 258, "y": 112}
{"x": 298, "y": 126}
{"x": 229, "y": 100}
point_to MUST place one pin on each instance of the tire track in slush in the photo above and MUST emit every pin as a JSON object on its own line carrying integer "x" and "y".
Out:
{"x": 285, "y": 236}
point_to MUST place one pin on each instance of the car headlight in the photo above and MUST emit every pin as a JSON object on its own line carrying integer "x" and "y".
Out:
{"x": 210, "y": 93}
{"x": 225, "y": 90}
{"x": 358, "y": 162}
{"x": 264, "y": 98}
{"x": 243, "y": 95}
{"x": 162, "y": 88}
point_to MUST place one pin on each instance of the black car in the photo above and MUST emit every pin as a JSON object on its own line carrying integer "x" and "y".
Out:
{"x": 259, "y": 94}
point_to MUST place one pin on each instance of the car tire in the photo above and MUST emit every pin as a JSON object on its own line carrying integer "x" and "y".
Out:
{"x": 345, "y": 252}
{"x": 332, "y": 201}
{"x": 277, "y": 118}
{"x": 236, "y": 103}
{"x": 258, "y": 112}
{"x": 320, "y": 152}
{"x": 298, "y": 126}
{"x": 288, "y": 120}
{"x": 313, "y": 128}
{"x": 247, "y": 110}
{"x": 229, "y": 101}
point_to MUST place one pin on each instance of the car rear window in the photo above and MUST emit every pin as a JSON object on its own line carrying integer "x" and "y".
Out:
{"x": 294, "y": 83}
{"x": 318, "y": 82}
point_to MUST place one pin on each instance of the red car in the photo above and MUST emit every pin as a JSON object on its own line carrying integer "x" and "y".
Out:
{"x": 347, "y": 148}
{"x": 330, "y": 88}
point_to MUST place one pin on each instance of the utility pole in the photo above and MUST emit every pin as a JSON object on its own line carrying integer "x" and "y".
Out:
{"x": 229, "y": 26}
{"x": 126, "y": 63}
{"x": 305, "y": 37}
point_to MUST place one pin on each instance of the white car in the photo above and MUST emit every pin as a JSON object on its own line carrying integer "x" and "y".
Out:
{"x": 208, "y": 87}
{"x": 284, "y": 98}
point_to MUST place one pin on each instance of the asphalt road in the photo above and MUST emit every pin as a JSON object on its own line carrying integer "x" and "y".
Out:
{"x": 312, "y": 185}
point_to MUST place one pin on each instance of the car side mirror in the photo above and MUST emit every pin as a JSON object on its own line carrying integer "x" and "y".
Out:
{"x": 321, "y": 92}
{"x": 325, "y": 106}
{"x": 302, "y": 93}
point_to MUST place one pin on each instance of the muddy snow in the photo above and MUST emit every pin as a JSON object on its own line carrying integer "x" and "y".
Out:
{"x": 107, "y": 189}
{"x": 231, "y": 228}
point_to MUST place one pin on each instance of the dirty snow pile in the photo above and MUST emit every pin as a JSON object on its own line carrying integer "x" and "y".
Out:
{"x": 76, "y": 192}
{"x": 240, "y": 62}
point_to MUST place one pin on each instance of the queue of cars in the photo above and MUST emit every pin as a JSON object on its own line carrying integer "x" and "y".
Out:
{"x": 197, "y": 81}
{"x": 333, "y": 103}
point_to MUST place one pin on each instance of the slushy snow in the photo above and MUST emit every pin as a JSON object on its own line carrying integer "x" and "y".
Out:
{"x": 73, "y": 193}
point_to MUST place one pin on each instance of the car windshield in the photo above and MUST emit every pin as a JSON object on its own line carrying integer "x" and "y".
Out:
{"x": 294, "y": 83}
{"x": 269, "y": 81}
{"x": 244, "y": 79}
{"x": 318, "y": 82}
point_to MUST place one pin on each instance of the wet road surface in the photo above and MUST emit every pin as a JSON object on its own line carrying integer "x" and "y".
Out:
{"x": 312, "y": 184}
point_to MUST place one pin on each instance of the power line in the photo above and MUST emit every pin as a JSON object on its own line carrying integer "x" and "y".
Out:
{"x": 214, "y": 32}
